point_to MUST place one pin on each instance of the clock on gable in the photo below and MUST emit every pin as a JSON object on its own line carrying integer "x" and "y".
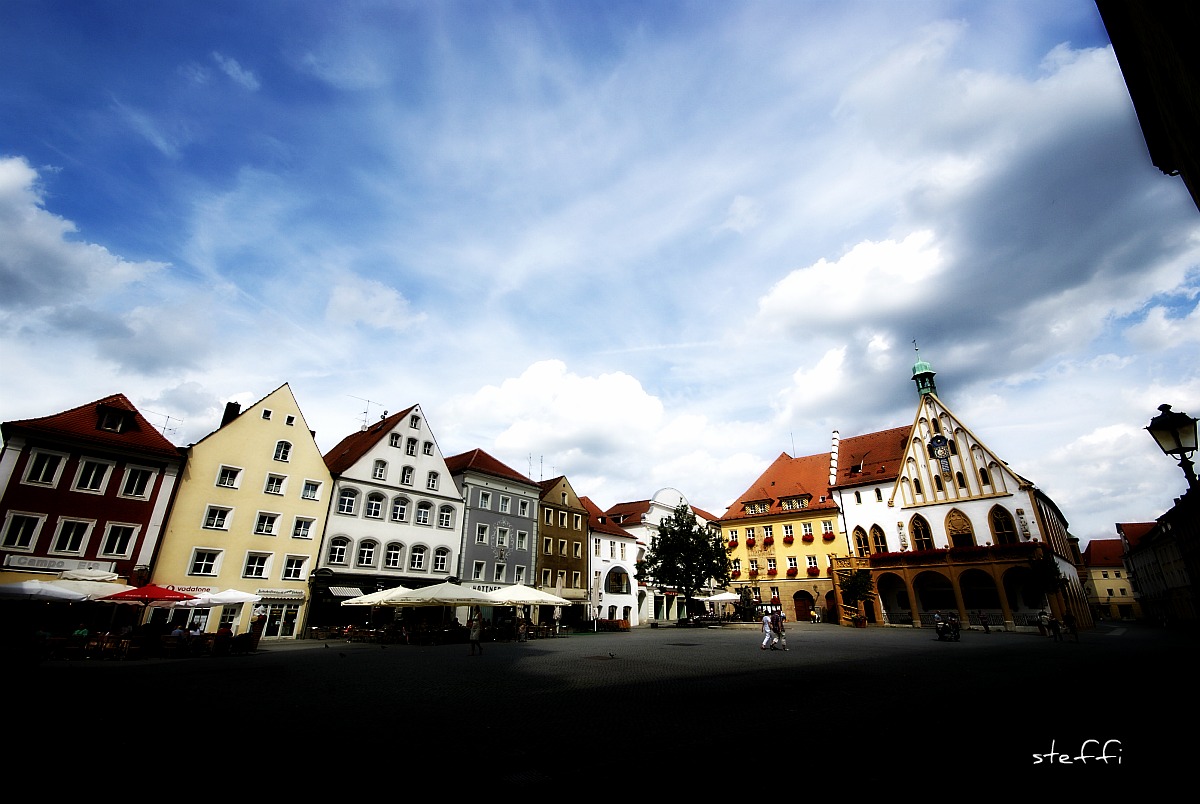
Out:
{"x": 939, "y": 449}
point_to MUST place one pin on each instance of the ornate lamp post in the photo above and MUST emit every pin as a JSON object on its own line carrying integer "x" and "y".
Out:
{"x": 1175, "y": 433}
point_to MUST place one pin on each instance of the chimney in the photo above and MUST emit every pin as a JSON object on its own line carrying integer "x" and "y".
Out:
{"x": 232, "y": 411}
{"x": 833, "y": 459}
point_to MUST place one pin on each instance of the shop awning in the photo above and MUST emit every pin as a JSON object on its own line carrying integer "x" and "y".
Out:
{"x": 345, "y": 591}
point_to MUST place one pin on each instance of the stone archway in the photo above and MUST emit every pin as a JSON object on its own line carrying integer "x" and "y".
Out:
{"x": 935, "y": 592}
{"x": 893, "y": 598}
{"x": 979, "y": 590}
{"x": 802, "y": 606}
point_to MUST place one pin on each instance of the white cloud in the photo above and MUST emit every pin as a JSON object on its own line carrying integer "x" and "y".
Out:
{"x": 239, "y": 74}
{"x": 354, "y": 300}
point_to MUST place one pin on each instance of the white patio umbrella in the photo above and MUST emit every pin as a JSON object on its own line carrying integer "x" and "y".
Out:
{"x": 205, "y": 600}
{"x": 39, "y": 590}
{"x": 91, "y": 590}
{"x": 442, "y": 594}
{"x": 376, "y": 598}
{"x": 723, "y": 597}
{"x": 522, "y": 595}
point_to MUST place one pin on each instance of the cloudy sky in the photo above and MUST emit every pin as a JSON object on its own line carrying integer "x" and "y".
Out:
{"x": 642, "y": 244}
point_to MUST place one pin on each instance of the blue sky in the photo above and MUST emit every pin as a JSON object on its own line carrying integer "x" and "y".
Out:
{"x": 640, "y": 244}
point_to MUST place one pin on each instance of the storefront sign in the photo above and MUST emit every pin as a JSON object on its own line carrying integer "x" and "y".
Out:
{"x": 281, "y": 594}
{"x": 44, "y": 564}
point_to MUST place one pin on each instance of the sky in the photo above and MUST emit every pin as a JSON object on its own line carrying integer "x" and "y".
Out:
{"x": 644, "y": 245}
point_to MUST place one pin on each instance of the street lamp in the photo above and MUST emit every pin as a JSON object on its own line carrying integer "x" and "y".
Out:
{"x": 1175, "y": 434}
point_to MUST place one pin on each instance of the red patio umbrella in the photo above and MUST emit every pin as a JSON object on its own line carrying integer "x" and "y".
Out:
{"x": 147, "y": 595}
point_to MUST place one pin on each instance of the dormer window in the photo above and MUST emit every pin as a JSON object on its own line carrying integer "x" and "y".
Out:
{"x": 112, "y": 420}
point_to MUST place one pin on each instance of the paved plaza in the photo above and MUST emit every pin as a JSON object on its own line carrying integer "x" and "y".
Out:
{"x": 659, "y": 702}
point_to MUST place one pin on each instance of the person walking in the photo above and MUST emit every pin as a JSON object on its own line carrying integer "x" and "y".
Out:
{"x": 475, "y": 630}
{"x": 766, "y": 627}
{"x": 1069, "y": 624}
{"x": 778, "y": 640}
{"x": 987, "y": 629}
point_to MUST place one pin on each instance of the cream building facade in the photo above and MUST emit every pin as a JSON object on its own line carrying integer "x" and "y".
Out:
{"x": 248, "y": 515}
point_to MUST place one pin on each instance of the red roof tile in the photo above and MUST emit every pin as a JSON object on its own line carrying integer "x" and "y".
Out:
{"x": 83, "y": 424}
{"x": 479, "y": 461}
{"x": 350, "y": 449}
{"x": 601, "y": 522}
{"x": 787, "y": 478}
{"x": 1104, "y": 553}
{"x": 871, "y": 457}
{"x": 1134, "y": 531}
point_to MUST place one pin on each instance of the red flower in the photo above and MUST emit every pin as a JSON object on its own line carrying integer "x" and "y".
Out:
{"x": 788, "y": 539}
{"x": 791, "y": 572}
{"x": 772, "y": 571}
{"x": 737, "y": 573}
{"x": 753, "y": 573}
{"x": 808, "y": 537}
{"x": 750, "y": 541}
{"x": 814, "y": 571}
{"x": 768, "y": 541}
{"x": 827, "y": 536}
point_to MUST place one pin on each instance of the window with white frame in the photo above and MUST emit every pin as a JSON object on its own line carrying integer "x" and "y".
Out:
{"x": 562, "y": 577}
{"x": 523, "y": 508}
{"x": 806, "y": 528}
{"x": 505, "y": 504}
{"x": 622, "y": 551}
{"x": 576, "y": 580}
{"x": 21, "y": 530}
{"x": 227, "y": 476}
{"x": 393, "y": 556}
{"x": 827, "y": 526}
{"x": 485, "y": 499}
{"x": 768, "y": 531}
{"x": 596, "y": 548}
{"x": 431, "y": 482}
{"x": 283, "y": 451}
{"x": 414, "y": 422}
{"x": 522, "y": 538}
{"x": 792, "y": 563}
{"x": 549, "y": 516}
{"x": 118, "y": 540}
{"x": 562, "y": 547}
{"x": 72, "y": 536}
{"x": 348, "y": 501}
{"x": 547, "y": 545}
{"x": 427, "y": 448}
{"x": 445, "y": 517}
{"x": 441, "y": 559}
{"x": 257, "y": 565}
{"x": 399, "y": 509}
{"x": 577, "y": 549}
{"x": 373, "y": 509}
{"x": 498, "y": 575}
{"x": 204, "y": 562}
{"x": 312, "y": 490}
{"x": 217, "y": 517}
{"x": 477, "y": 569}
{"x": 578, "y": 521}
{"x": 294, "y": 568}
{"x": 416, "y": 558}
{"x": 754, "y": 565}
{"x": 274, "y": 484}
{"x": 302, "y": 528}
{"x": 379, "y": 470}
{"x": 366, "y": 554}
{"x": 501, "y": 537}
{"x": 547, "y": 577}
{"x": 138, "y": 482}
{"x": 562, "y": 519}
{"x": 93, "y": 476}
{"x": 787, "y": 531}
{"x": 612, "y": 549}
{"x": 338, "y": 549}
{"x": 736, "y": 565}
{"x": 266, "y": 523}
{"x": 519, "y": 574}
{"x": 770, "y": 564}
{"x": 423, "y": 511}
{"x": 394, "y": 440}
{"x": 406, "y": 476}
{"x": 812, "y": 560}
{"x": 44, "y": 468}
{"x": 410, "y": 447}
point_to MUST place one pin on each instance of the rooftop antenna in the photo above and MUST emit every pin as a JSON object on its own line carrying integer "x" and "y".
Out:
{"x": 166, "y": 428}
{"x": 793, "y": 437}
{"x": 366, "y": 414}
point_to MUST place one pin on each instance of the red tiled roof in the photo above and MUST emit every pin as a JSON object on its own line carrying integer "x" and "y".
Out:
{"x": 628, "y": 511}
{"x": 1134, "y": 531}
{"x": 82, "y": 424}
{"x": 1103, "y": 553}
{"x": 600, "y": 521}
{"x": 351, "y": 448}
{"x": 479, "y": 461}
{"x": 876, "y": 457}
{"x": 786, "y": 478}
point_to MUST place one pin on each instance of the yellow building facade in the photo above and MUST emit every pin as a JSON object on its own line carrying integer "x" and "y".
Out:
{"x": 248, "y": 515}
{"x": 782, "y": 535}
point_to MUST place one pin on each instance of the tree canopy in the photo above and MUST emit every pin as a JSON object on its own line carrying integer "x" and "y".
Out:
{"x": 685, "y": 554}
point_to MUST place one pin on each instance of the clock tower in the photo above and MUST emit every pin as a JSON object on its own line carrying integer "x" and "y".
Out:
{"x": 922, "y": 374}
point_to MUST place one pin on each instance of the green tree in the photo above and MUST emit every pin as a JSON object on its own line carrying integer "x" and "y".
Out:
{"x": 686, "y": 555}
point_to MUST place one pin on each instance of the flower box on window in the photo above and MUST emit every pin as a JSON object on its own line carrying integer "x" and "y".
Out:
{"x": 788, "y": 539}
{"x": 733, "y": 544}
{"x": 768, "y": 541}
{"x": 791, "y": 573}
{"x": 808, "y": 537}
{"x": 827, "y": 537}
{"x": 814, "y": 571}
{"x": 753, "y": 573}
{"x": 750, "y": 542}
{"x": 772, "y": 571}
{"x": 737, "y": 573}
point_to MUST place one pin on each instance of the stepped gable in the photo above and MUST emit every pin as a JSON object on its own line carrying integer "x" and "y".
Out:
{"x": 479, "y": 461}
{"x": 871, "y": 457}
{"x": 84, "y": 424}
{"x": 600, "y": 522}
{"x": 350, "y": 449}
{"x": 787, "y": 478}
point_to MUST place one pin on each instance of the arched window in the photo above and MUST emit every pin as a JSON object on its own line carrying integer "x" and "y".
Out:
{"x": 861, "y": 546}
{"x": 922, "y": 536}
{"x": 283, "y": 451}
{"x": 445, "y": 516}
{"x": 374, "y": 506}
{"x": 937, "y": 482}
{"x": 423, "y": 512}
{"x": 337, "y": 549}
{"x": 441, "y": 559}
{"x": 960, "y": 480}
{"x": 393, "y": 556}
{"x": 858, "y": 498}
{"x": 348, "y": 501}
{"x": 366, "y": 554}
{"x": 399, "y": 509}
{"x": 959, "y": 529}
{"x": 1004, "y": 529}
{"x": 878, "y": 540}
{"x": 416, "y": 558}
{"x": 984, "y": 480}
{"x": 917, "y": 487}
